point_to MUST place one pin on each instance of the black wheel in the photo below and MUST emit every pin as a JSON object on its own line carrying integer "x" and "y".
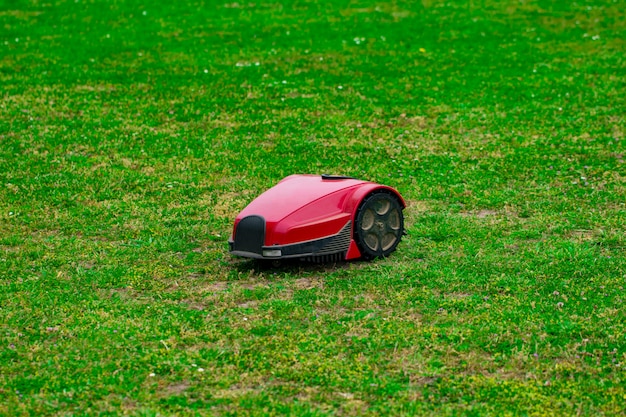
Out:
{"x": 379, "y": 224}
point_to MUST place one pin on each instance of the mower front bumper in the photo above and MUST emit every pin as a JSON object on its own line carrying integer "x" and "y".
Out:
{"x": 249, "y": 239}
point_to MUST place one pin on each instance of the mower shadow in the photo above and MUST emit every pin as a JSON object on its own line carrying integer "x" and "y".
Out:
{"x": 291, "y": 266}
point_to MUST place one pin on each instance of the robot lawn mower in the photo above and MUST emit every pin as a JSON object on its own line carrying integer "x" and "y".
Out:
{"x": 320, "y": 218}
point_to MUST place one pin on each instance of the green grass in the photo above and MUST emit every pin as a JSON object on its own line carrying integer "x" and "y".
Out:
{"x": 132, "y": 133}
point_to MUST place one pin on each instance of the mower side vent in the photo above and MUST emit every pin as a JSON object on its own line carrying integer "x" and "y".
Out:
{"x": 338, "y": 243}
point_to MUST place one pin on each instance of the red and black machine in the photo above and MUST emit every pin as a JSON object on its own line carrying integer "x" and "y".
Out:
{"x": 322, "y": 218}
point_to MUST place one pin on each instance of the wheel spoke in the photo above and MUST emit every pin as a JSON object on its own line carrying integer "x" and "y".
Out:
{"x": 388, "y": 240}
{"x": 368, "y": 220}
{"x": 393, "y": 221}
{"x": 382, "y": 206}
{"x": 372, "y": 241}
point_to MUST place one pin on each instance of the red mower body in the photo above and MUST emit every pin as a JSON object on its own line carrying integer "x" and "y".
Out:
{"x": 313, "y": 217}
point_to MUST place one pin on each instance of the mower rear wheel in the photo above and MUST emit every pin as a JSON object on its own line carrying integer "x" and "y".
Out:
{"x": 379, "y": 224}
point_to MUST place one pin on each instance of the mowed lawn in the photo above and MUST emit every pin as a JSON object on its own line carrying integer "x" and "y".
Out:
{"x": 133, "y": 132}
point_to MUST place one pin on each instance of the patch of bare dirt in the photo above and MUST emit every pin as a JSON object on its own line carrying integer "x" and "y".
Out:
{"x": 308, "y": 283}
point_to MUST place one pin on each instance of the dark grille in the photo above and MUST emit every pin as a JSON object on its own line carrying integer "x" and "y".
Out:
{"x": 338, "y": 243}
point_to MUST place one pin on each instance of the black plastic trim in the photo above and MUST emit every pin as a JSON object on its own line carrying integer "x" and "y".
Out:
{"x": 250, "y": 235}
{"x": 336, "y": 177}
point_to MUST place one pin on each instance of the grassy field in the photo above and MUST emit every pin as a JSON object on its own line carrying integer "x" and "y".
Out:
{"x": 132, "y": 133}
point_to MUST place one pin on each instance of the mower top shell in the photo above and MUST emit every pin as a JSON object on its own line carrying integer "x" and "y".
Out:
{"x": 321, "y": 218}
